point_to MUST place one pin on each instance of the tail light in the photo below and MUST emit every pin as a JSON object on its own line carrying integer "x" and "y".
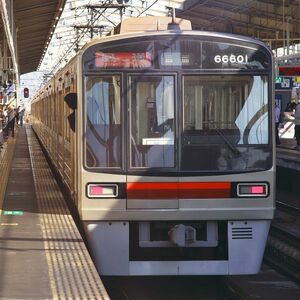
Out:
{"x": 102, "y": 190}
{"x": 252, "y": 190}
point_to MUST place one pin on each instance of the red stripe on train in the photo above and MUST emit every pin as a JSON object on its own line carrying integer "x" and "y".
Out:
{"x": 182, "y": 190}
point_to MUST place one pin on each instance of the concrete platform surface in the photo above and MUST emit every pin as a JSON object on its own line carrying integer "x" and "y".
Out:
{"x": 42, "y": 255}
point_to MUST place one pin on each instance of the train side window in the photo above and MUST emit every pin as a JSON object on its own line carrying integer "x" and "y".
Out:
{"x": 103, "y": 122}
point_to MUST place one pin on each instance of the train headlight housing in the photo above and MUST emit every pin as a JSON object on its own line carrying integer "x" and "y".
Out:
{"x": 252, "y": 189}
{"x": 102, "y": 190}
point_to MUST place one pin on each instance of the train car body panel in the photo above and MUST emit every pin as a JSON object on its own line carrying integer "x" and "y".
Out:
{"x": 246, "y": 243}
{"x": 172, "y": 161}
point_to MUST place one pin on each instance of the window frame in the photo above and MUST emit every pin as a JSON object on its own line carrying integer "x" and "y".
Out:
{"x": 269, "y": 76}
{"x": 119, "y": 169}
{"x": 129, "y": 166}
{"x": 269, "y": 114}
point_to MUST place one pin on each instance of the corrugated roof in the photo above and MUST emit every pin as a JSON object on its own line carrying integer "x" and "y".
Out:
{"x": 263, "y": 19}
{"x": 34, "y": 22}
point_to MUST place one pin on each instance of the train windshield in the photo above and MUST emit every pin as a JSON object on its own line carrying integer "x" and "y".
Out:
{"x": 225, "y": 124}
{"x": 192, "y": 105}
{"x": 103, "y": 122}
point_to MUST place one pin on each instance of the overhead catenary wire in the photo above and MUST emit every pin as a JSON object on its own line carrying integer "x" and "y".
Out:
{"x": 147, "y": 8}
{"x": 76, "y": 39}
{"x": 69, "y": 46}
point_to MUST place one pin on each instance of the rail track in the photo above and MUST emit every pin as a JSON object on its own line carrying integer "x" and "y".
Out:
{"x": 283, "y": 245}
{"x": 169, "y": 287}
{"x": 286, "y": 207}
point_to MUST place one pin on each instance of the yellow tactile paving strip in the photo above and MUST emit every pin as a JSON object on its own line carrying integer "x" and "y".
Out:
{"x": 71, "y": 271}
{"x": 6, "y": 156}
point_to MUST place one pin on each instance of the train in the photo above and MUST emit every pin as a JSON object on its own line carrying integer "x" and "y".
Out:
{"x": 164, "y": 137}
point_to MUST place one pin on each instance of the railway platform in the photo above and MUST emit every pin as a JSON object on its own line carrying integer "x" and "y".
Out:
{"x": 288, "y": 156}
{"x": 42, "y": 253}
{"x": 288, "y": 166}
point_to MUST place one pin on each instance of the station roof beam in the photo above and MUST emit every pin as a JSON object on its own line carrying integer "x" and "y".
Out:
{"x": 265, "y": 19}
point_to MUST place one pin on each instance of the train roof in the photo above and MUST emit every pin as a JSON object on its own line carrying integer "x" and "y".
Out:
{"x": 156, "y": 26}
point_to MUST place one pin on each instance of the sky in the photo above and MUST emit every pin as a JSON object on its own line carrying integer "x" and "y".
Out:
{"x": 33, "y": 81}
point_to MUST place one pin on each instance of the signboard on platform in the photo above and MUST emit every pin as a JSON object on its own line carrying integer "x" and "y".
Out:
{"x": 13, "y": 212}
{"x": 284, "y": 83}
{"x": 289, "y": 71}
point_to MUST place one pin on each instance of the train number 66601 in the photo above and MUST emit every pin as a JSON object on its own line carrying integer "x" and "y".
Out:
{"x": 231, "y": 58}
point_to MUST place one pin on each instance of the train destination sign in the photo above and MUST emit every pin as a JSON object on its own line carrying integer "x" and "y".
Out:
{"x": 123, "y": 60}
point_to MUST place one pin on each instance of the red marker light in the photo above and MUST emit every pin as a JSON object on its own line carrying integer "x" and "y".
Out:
{"x": 102, "y": 190}
{"x": 258, "y": 189}
{"x": 252, "y": 190}
{"x": 96, "y": 190}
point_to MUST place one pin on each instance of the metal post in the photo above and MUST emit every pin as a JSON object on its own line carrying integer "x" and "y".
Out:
{"x": 92, "y": 22}
{"x": 283, "y": 31}
{"x": 288, "y": 35}
{"x": 77, "y": 41}
{"x": 276, "y": 45}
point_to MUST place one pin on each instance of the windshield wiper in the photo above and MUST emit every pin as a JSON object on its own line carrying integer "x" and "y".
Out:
{"x": 232, "y": 148}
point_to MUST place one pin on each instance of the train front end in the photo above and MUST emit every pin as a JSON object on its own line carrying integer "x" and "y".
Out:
{"x": 176, "y": 136}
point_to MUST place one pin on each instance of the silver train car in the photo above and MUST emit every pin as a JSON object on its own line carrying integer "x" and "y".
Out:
{"x": 165, "y": 140}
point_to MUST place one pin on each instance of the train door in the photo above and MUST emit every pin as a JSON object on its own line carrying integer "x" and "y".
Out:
{"x": 55, "y": 126}
{"x": 60, "y": 115}
{"x": 151, "y": 143}
{"x": 73, "y": 149}
{"x": 67, "y": 141}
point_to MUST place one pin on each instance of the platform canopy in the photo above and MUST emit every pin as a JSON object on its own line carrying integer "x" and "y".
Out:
{"x": 270, "y": 20}
{"x": 35, "y": 23}
{"x": 276, "y": 22}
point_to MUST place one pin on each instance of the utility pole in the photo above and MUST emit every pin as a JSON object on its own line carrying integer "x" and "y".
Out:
{"x": 95, "y": 12}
